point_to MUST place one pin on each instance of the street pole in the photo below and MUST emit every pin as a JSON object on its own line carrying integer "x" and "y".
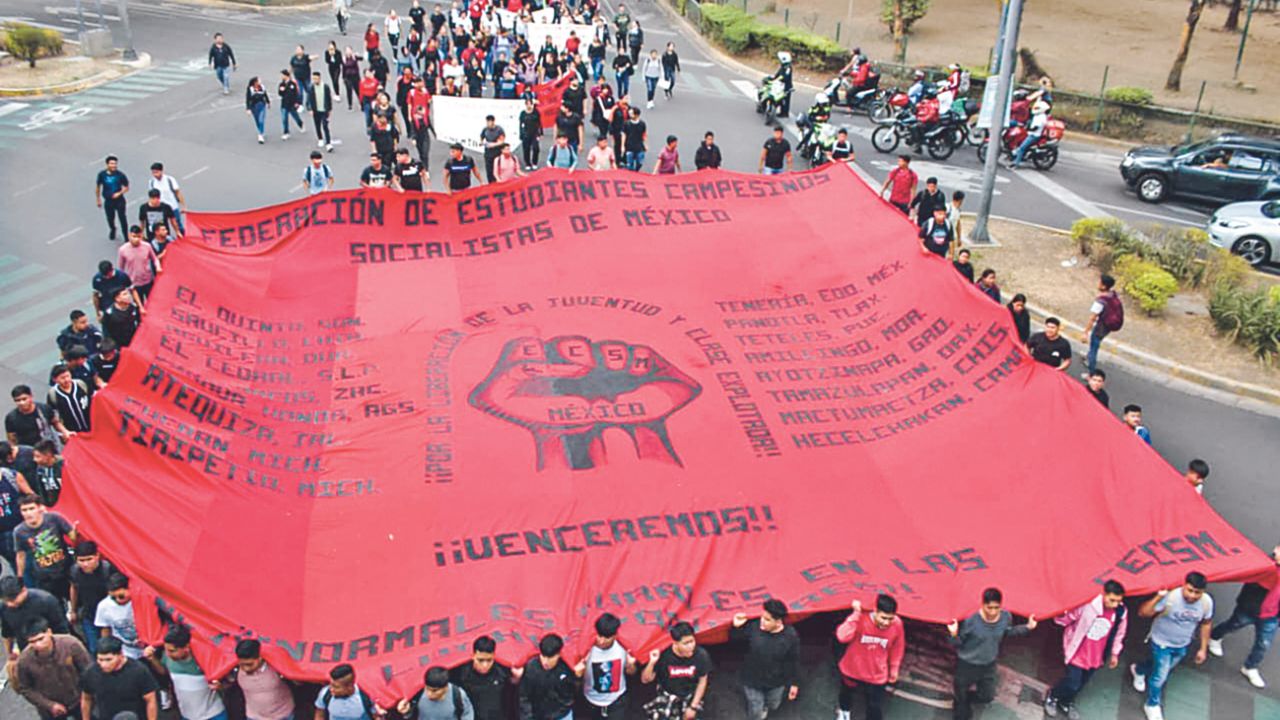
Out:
{"x": 1008, "y": 52}
{"x": 1244, "y": 36}
{"x": 80, "y": 19}
{"x": 993, "y": 60}
{"x": 129, "y": 53}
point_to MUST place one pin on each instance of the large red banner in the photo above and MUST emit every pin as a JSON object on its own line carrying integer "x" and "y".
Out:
{"x": 367, "y": 426}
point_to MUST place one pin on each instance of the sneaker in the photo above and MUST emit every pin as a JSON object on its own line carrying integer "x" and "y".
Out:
{"x": 1215, "y": 647}
{"x": 319, "y": 143}
{"x": 1255, "y": 677}
{"x": 1073, "y": 713}
{"x": 1153, "y": 712}
{"x": 648, "y": 105}
{"x": 112, "y": 235}
{"x": 261, "y": 139}
{"x": 329, "y": 147}
{"x": 842, "y": 715}
{"x": 284, "y": 136}
{"x": 1050, "y": 706}
{"x": 1139, "y": 680}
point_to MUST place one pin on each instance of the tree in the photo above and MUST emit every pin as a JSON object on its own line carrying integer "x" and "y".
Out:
{"x": 1233, "y": 16}
{"x": 28, "y": 42}
{"x": 900, "y": 15}
{"x": 1174, "y": 82}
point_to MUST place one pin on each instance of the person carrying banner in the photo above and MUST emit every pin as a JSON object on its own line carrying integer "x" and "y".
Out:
{"x": 874, "y": 646}
{"x": 977, "y": 641}
{"x": 486, "y": 681}
{"x": 549, "y": 684}
{"x": 1182, "y": 614}
{"x": 605, "y": 670}
{"x": 771, "y": 665}
{"x": 1256, "y": 605}
{"x": 1093, "y": 634}
{"x": 682, "y": 672}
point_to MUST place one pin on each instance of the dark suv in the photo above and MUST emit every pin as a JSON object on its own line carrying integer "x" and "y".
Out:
{"x": 1225, "y": 169}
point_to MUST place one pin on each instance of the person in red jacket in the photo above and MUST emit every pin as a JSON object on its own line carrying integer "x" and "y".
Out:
{"x": 875, "y": 646}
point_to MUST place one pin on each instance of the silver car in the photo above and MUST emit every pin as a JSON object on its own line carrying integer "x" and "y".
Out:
{"x": 1248, "y": 229}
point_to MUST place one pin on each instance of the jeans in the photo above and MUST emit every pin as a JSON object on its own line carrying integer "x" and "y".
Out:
{"x": 220, "y": 716}
{"x": 1264, "y": 631}
{"x": 260, "y": 118}
{"x": 287, "y": 111}
{"x": 616, "y": 709}
{"x": 982, "y": 678}
{"x": 624, "y": 83}
{"x": 772, "y": 171}
{"x": 1095, "y": 342}
{"x": 177, "y": 217}
{"x": 597, "y": 69}
{"x": 90, "y": 632}
{"x": 670, "y": 77}
{"x": 1022, "y": 149}
{"x": 635, "y": 160}
{"x": 761, "y": 702}
{"x": 224, "y": 76}
{"x": 872, "y": 694}
{"x": 1064, "y": 693}
{"x": 1156, "y": 668}
{"x": 7, "y": 549}
{"x": 650, "y": 86}
{"x": 116, "y": 208}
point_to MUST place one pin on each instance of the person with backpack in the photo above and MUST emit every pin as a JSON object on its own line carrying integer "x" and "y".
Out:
{"x": 267, "y": 695}
{"x": 1092, "y": 635}
{"x": 317, "y": 177}
{"x": 1106, "y": 316}
{"x": 342, "y": 698}
{"x": 437, "y": 700}
{"x": 562, "y": 155}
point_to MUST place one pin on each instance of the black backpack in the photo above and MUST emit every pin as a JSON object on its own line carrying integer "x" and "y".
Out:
{"x": 326, "y": 697}
{"x": 459, "y": 707}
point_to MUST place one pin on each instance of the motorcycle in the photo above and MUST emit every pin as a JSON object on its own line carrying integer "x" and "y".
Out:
{"x": 818, "y": 141}
{"x": 888, "y": 104}
{"x": 859, "y": 100}
{"x": 1043, "y": 154}
{"x": 919, "y": 127}
{"x": 769, "y": 97}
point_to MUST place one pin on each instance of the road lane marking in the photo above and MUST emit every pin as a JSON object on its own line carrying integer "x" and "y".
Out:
{"x": 9, "y": 108}
{"x": 147, "y": 139}
{"x": 1062, "y": 194}
{"x": 1156, "y": 216}
{"x": 746, "y": 87}
{"x": 64, "y": 235}
{"x": 33, "y": 188}
{"x": 195, "y": 172}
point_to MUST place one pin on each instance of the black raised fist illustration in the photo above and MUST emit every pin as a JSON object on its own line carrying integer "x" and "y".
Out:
{"x": 568, "y": 390}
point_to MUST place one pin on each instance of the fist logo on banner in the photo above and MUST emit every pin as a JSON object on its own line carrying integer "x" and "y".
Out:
{"x": 568, "y": 390}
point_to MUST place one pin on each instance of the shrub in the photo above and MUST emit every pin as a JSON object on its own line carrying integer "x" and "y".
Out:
{"x": 715, "y": 18}
{"x": 1129, "y": 95}
{"x": 29, "y": 42}
{"x": 808, "y": 49}
{"x": 1182, "y": 252}
{"x": 1250, "y": 317}
{"x": 1103, "y": 239}
{"x": 1146, "y": 282}
{"x": 1223, "y": 269}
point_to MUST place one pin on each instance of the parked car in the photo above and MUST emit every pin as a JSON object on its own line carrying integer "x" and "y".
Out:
{"x": 1248, "y": 229}
{"x": 1222, "y": 170}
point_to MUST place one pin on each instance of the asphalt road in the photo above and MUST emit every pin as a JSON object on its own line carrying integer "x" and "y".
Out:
{"x": 50, "y": 151}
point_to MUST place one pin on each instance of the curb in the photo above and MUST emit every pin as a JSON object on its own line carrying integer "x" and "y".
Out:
{"x": 1127, "y": 355}
{"x": 129, "y": 68}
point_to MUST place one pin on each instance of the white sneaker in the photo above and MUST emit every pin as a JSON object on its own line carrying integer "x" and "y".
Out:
{"x": 1139, "y": 680}
{"x": 319, "y": 143}
{"x": 1215, "y": 647}
{"x": 649, "y": 105}
{"x": 1050, "y": 706}
{"x": 1153, "y": 712}
{"x": 329, "y": 147}
{"x": 284, "y": 136}
{"x": 842, "y": 715}
{"x": 1255, "y": 677}
{"x": 261, "y": 139}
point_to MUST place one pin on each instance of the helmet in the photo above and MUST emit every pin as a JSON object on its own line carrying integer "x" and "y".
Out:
{"x": 1020, "y": 94}
{"x": 784, "y": 57}
{"x": 862, "y": 58}
{"x": 953, "y": 67}
{"x": 1040, "y": 107}
{"x": 918, "y": 75}
{"x": 821, "y": 98}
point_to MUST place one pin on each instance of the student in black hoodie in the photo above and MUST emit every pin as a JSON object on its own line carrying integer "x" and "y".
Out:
{"x": 772, "y": 663}
{"x": 486, "y": 680}
{"x": 549, "y": 685}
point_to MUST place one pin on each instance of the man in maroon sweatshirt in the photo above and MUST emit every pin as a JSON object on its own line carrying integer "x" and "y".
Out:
{"x": 875, "y": 645}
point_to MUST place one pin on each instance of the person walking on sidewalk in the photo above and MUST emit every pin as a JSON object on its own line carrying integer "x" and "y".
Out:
{"x": 290, "y": 101}
{"x": 342, "y": 11}
{"x": 223, "y": 61}
{"x": 977, "y": 641}
{"x": 652, "y": 72}
{"x": 1106, "y": 316}
{"x": 1256, "y": 605}
{"x": 670, "y": 66}
{"x": 1181, "y": 614}
{"x": 317, "y": 177}
{"x": 1093, "y": 635}
{"x": 109, "y": 191}
{"x": 256, "y": 102}
{"x": 903, "y": 180}
{"x": 351, "y": 76}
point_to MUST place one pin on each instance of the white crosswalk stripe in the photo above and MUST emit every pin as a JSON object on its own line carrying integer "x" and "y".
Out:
{"x": 37, "y": 300}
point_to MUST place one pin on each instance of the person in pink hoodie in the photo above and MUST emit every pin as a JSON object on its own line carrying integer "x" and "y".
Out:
{"x": 1093, "y": 634}
{"x": 875, "y": 644}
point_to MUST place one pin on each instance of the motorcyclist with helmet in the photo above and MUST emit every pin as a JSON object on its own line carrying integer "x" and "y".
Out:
{"x": 918, "y": 86}
{"x": 784, "y": 74}
{"x": 1039, "y": 118}
{"x": 1019, "y": 108}
{"x": 819, "y": 114}
{"x": 955, "y": 78}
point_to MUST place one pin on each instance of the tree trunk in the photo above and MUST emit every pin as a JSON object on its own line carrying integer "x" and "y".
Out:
{"x": 899, "y": 33}
{"x": 1174, "y": 83}
{"x": 1233, "y": 16}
